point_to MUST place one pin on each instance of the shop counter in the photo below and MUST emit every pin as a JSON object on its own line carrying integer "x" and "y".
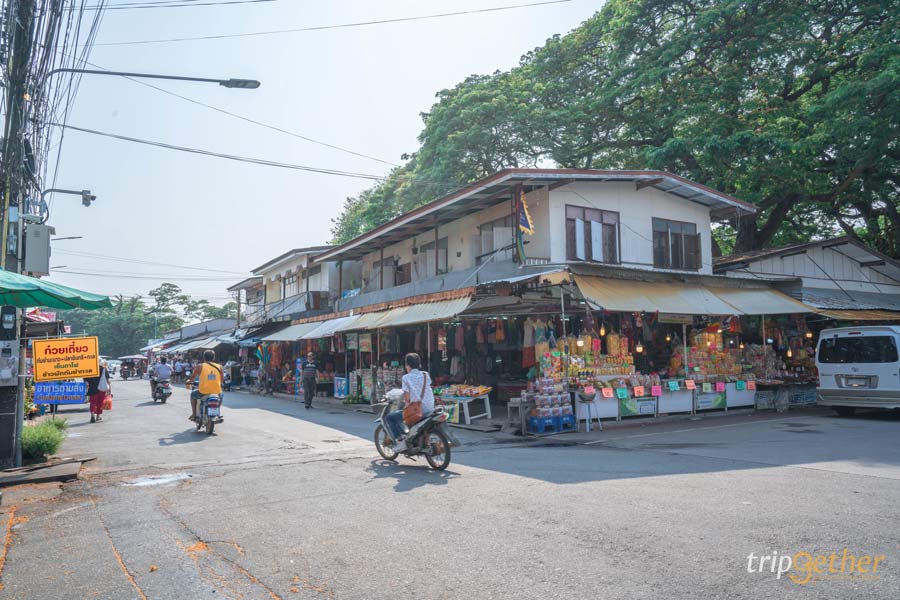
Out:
{"x": 735, "y": 397}
{"x": 676, "y": 402}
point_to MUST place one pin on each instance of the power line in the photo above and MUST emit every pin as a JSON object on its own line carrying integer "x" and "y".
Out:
{"x": 184, "y": 3}
{"x": 253, "y": 121}
{"x": 108, "y": 275}
{"x": 143, "y": 262}
{"x": 250, "y": 160}
{"x": 340, "y": 26}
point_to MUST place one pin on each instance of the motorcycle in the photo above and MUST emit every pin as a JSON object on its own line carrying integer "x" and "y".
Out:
{"x": 126, "y": 373}
{"x": 161, "y": 391}
{"x": 209, "y": 410}
{"x": 430, "y": 437}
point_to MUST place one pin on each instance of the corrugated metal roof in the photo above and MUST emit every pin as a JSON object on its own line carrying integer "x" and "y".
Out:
{"x": 328, "y": 328}
{"x": 421, "y": 313}
{"x": 290, "y": 334}
{"x": 621, "y": 295}
{"x": 861, "y": 315}
{"x": 850, "y": 300}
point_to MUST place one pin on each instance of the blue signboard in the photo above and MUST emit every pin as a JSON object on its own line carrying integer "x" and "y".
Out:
{"x": 59, "y": 392}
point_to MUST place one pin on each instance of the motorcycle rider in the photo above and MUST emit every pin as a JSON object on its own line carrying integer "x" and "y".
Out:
{"x": 208, "y": 378}
{"x": 159, "y": 373}
{"x": 416, "y": 386}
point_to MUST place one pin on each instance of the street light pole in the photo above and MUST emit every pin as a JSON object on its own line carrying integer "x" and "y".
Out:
{"x": 234, "y": 83}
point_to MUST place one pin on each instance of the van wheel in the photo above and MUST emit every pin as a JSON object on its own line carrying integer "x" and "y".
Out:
{"x": 845, "y": 411}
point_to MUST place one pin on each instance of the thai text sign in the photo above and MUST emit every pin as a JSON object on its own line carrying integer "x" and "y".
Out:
{"x": 65, "y": 358}
{"x": 63, "y": 392}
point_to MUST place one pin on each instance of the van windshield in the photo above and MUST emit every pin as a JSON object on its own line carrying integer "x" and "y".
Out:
{"x": 870, "y": 349}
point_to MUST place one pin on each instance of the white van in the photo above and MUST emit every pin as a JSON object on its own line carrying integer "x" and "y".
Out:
{"x": 859, "y": 367}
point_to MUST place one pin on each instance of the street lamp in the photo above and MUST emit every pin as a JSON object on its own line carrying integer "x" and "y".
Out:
{"x": 233, "y": 83}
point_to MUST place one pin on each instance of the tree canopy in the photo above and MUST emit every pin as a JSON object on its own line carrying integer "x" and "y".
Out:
{"x": 132, "y": 322}
{"x": 792, "y": 105}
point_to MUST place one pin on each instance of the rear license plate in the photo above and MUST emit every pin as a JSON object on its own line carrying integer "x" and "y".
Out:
{"x": 856, "y": 381}
{"x": 213, "y": 412}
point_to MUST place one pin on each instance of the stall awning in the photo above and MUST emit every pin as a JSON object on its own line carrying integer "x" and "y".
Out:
{"x": 621, "y": 295}
{"x": 365, "y": 321}
{"x": 860, "y": 315}
{"x": 328, "y": 328}
{"x": 421, "y": 313}
{"x": 759, "y": 301}
{"x": 290, "y": 334}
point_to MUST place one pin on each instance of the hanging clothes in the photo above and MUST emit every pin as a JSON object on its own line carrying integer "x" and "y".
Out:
{"x": 500, "y": 336}
{"x": 459, "y": 341}
{"x": 528, "y": 333}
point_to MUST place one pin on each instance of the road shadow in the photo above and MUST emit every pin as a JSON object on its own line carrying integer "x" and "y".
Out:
{"x": 409, "y": 475}
{"x": 183, "y": 437}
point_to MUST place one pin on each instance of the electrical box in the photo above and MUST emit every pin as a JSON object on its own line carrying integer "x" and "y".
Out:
{"x": 9, "y": 347}
{"x": 37, "y": 249}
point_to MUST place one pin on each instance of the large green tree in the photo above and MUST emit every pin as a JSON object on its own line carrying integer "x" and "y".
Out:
{"x": 791, "y": 104}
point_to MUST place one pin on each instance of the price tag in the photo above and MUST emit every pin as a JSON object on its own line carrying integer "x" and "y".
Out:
{"x": 607, "y": 392}
{"x": 740, "y": 385}
{"x": 707, "y": 388}
{"x": 690, "y": 384}
{"x": 589, "y": 390}
{"x": 622, "y": 393}
{"x": 673, "y": 386}
{"x": 638, "y": 391}
{"x": 656, "y": 391}
{"x": 720, "y": 387}
{"x": 751, "y": 386}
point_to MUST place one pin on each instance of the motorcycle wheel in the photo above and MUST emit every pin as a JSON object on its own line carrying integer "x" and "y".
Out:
{"x": 438, "y": 454}
{"x": 164, "y": 400}
{"x": 381, "y": 441}
{"x": 210, "y": 425}
{"x": 199, "y": 423}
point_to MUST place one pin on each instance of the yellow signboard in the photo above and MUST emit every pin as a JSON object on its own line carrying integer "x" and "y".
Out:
{"x": 58, "y": 359}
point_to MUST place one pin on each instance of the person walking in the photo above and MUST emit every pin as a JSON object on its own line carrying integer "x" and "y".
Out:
{"x": 97, "y": 389}
{"x": 308, "y": 373}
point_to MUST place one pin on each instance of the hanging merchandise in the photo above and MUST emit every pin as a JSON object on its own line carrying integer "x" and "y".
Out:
{"x": 551, "y": 340}
{"x": 459, "y": 342}
{"x": 442, "y": 342}
{"x": 528, "y": 333}
{"x": 501, "y": 332}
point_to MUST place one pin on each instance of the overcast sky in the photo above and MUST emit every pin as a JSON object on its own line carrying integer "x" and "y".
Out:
{"x": 362, "y": 88}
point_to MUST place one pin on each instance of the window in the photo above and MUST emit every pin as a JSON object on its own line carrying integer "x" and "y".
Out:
{"x": 425, "y": 259}
{"x": 289, "y": 286}
{"x": 676, "y": 245}
{"x": 868, "y": 349}
{"x": 496, "y": 235}
{"x": 592, "y": 234}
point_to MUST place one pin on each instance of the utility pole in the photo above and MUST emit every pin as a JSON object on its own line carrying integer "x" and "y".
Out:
{"x": 12, "y": 401}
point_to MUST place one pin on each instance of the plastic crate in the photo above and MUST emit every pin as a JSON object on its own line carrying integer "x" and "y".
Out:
{"x": 541, "y": 424}
{"x": 566, "y": 423}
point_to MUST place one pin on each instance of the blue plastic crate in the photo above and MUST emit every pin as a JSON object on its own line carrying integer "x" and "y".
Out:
{"x": 565, "y": 423}
{"x": 541, "y": 424}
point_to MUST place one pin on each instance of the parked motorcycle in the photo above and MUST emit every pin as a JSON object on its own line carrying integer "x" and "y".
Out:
{"x": 429, "y": 437}
{"x": 162, "y": 391}
{"x": 209, "y": 411}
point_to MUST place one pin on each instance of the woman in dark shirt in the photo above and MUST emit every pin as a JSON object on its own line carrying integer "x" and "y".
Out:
{"x": 96, "y": 395}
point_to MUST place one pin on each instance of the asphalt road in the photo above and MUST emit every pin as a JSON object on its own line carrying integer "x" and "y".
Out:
{"x": 288, "y": 503}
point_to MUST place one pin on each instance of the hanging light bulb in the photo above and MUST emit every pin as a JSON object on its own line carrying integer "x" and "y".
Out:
{"x": 789, "y": 353}
{"x": 668, "y": 338}
{"x": 579, "y": 342}
{"x": 602, "y": 330}
{"x": 741, "y": 346}
{"x": 639, "y": 348}
{"x": 809, "y": 335}
{"x": 709, "y": 344}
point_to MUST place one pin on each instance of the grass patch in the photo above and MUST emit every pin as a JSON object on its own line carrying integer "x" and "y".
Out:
{"x": 60, "y": 424}
{"x": 41, "y": 440}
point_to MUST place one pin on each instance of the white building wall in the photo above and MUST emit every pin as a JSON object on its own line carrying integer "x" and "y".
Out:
{"x": 636, "y": 209}
{"x": 842, "y": 271}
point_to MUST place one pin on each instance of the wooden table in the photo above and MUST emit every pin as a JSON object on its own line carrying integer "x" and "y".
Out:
{"x": 464, "y": 402}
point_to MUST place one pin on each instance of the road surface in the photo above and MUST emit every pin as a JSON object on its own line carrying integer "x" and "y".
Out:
{"x": 288, "y": 503}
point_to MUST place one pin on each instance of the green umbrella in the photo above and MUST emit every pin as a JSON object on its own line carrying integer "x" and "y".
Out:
{"x": 24, "y": 292}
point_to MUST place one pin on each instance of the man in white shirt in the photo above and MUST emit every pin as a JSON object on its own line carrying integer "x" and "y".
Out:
{"x": 160, "y": 372}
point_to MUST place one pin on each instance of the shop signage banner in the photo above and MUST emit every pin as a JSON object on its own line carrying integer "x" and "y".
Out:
{"x": 63, "y": 392}
{"x": 633, "y": 406}
{"x": 58, "y": 359}
{"x": 676, "y": 319}
{"x": 352, "y": 341}
{"x": 705, "y": 401}
{"x": 365, "y": 342}
{"x": 341, "y": 387}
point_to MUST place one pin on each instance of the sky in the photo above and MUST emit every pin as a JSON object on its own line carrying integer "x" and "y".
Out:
{"x": 362, "y": 88}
